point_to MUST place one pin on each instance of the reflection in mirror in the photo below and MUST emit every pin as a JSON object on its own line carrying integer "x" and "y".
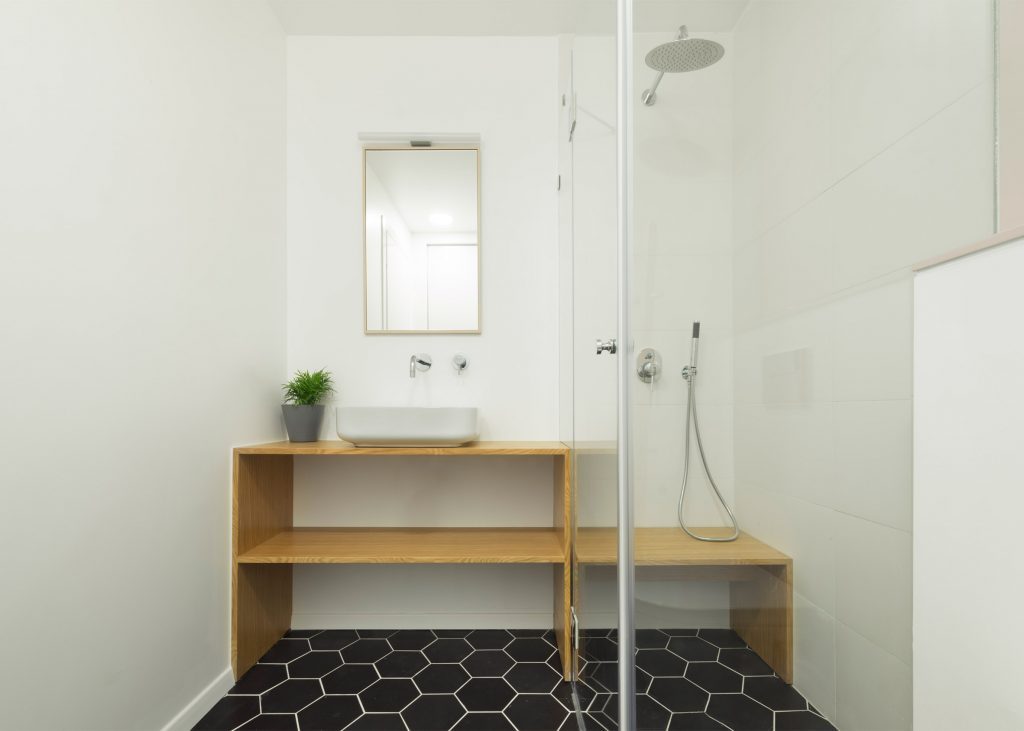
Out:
{"x": 421, "y": 216}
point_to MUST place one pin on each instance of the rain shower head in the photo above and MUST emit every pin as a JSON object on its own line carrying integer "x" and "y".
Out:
{"x": 679, "y": 56}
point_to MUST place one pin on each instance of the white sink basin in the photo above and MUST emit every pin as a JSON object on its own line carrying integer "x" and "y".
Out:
{"x": 400, "y": 426}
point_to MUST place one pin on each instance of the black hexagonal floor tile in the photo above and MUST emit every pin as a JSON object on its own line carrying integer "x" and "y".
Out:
{"x": 448, "y": 650}
{"x": 286, "y": 651}
{"x": 441, "y": 678}
{"x": 775, "y": 694}
{"x": 484, "y": 722}
{"x": 744, "y": 662}
{"x": 605, "y": 676}
{"x": 330, "y": 713}
{"x": 486, "y": 694}
{"x": 270, "y": 722}
{"x": 350, "y": 679}
{"x": 365, "y": 651}
{"x": 693, "y": 648}
{"x": 676, "y": 632}
{"x": 595, "y": 632}
{"x": 739, "y": 713}
{"x": 333, "y": 639}
{"x": 678, "y": 695}
{"x": 378, "y": 722}
{"x": 487, "y": 663}
{"x": 694, "y": 722}
{"x": 714, "y": 677}
{"x": 651, "y": 639}
{"x": 533, "y": 677}
{"x": 600, "y": 649}
{"x": 375, "y": 634}
{"x": 450, "y": 633}
{"x": 528, "y": 632}
{"x": 529, "y": 649}
{"x": 401, "y": 664}
{"x": 643, "y": 681}
{"x": 411, "y": 639}
{"x": 725, "y": 638}
{"x": 290, "y": 696}
{"x": 229, "y": 712}
{"x": 650, "y": 714}
{"x": 433, "y": 713}
{"x": 801, "y": 721}
{"x": 389, "y": 695}
{"x": 536, "y": 713}
{"x": 258, "y": 679}
{"x": 489, "y": 639}
{"x": 314, "y": 664}
{"x": 660, "y": 662}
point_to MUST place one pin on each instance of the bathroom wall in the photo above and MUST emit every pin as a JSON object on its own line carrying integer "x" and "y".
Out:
{"x": 862, "y": 143}
{"x": 968, "y": 394}
{"x": 142, "y": 302}
{"x": 506, "y": 91}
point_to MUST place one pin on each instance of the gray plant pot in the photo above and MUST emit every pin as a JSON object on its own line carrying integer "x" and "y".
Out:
{"x": 303, "y": 422}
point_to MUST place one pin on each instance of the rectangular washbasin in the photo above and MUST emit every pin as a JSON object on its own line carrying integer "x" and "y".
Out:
{"x": 401, "y": 426}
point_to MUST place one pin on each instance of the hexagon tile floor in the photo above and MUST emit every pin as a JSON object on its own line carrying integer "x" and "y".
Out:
{"x": 493, "y": 680}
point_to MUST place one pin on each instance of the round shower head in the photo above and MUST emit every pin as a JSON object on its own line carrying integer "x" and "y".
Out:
{"x": 685, "y": 54}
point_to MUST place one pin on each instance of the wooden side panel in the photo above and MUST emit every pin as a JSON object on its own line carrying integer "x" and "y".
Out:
{"x": 563, "y": 572}
{"x": 761, "y": 612}
{"x": 261, "y": 596}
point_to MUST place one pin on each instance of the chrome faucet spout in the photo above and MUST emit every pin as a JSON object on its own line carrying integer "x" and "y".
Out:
{"x": 419, "y": 362}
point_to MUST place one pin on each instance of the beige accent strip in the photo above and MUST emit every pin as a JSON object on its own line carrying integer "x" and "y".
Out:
{"x": 1003, "y": 237}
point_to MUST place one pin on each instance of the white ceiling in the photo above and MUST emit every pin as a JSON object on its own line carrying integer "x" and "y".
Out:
{"x": 496, "y": 17}
{"x": 423, "y": 182}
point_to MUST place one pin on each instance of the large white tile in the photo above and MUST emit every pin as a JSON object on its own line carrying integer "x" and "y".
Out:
{"x": 872, "y": 339}
{"x": 814, "y": 655}
{"x": 874, "y": 583}
{"x": 930, "y": 192}
{"x": 873, "y": 688}
{"x": 873, "y": 445}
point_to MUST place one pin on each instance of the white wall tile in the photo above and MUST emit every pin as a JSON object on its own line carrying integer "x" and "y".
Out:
{"x": 872, "y": 462}
{"x": 872, "y": 687}
{"x": 873, "y": 582}
{"x": 814, "y": 655}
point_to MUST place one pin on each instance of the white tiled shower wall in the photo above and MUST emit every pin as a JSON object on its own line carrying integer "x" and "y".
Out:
{"x": 861, "y": 146}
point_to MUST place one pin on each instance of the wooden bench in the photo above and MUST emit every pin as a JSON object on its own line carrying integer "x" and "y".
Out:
{"x": 760, "y": 580}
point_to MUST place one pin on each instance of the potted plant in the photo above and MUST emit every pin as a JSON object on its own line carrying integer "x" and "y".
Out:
{"x": 302, "y": 407}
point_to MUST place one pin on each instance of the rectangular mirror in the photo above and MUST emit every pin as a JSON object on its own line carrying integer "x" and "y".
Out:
{"x": 421, "y": 239}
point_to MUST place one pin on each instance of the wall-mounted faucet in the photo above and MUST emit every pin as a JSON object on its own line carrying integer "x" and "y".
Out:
{"x": 419, "y": 362}
{"x": 459, "y": 363}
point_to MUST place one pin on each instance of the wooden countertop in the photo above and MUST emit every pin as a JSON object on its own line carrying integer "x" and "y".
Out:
{"x": 340, "y": 448}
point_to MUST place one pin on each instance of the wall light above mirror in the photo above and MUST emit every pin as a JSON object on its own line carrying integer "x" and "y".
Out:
{"x": 421, "y": 238}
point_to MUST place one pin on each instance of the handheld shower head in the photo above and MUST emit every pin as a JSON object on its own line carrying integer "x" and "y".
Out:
{"x": 696, "y": 330}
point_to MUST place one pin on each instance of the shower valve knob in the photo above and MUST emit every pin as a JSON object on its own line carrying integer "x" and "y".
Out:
{"x": 609, "y": 346}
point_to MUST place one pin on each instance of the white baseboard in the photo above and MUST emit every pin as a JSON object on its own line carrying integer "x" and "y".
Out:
{"x": 423, "y": 620}
{"x": 198, "y": 707}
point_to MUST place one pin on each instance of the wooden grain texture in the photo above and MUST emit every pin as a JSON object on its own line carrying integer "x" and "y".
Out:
{"x": 261, "y": 600}
{"x": 761, "y": 612}
{"x": 562, "y": 589}
{"x": 342, "y": 449}
{"x": 409, "y": 545}
{"x": 672, "y": 547}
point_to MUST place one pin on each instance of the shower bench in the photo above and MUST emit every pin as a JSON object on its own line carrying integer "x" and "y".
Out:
{"x": 760, "y": 580}
{"x": 266, "y": 544}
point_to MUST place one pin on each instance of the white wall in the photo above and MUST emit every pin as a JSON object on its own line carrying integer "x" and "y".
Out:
{"x": 863, "y": 143}
{"x": 505, "y": 90}
{"x": 142, "y": 321}
{"x": 968, "y": 421}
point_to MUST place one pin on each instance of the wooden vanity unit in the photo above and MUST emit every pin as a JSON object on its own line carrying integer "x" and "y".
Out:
{"x": 265, "y": 543}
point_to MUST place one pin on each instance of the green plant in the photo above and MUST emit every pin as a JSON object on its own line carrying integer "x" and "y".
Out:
{"x": 308, "y": 389}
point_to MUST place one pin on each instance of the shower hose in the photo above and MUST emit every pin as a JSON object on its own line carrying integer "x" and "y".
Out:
{"x": 690, "y": 374}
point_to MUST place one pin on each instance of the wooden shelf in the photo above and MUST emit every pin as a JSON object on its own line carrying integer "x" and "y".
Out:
{"x": 340, "y": 448}
{"x": 672, "y": 547}
{"x": 410, "y": 545}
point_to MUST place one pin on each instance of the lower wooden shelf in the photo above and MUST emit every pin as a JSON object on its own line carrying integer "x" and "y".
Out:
{"x": 409, "y": 546}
